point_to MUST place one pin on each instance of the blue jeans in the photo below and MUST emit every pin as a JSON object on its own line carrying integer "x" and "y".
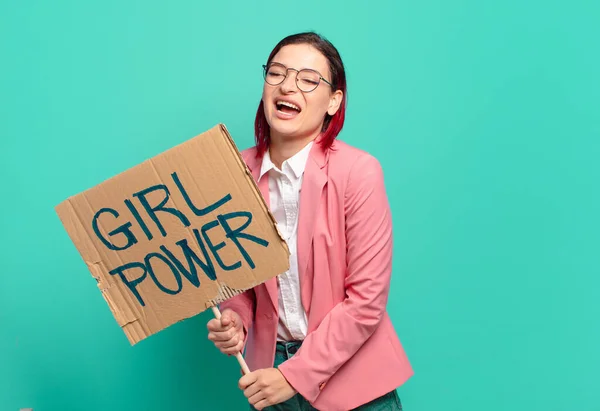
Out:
{"x": 387, "y": 402}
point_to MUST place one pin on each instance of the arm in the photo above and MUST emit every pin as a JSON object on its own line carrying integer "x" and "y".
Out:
{"x": 369, "y": 262}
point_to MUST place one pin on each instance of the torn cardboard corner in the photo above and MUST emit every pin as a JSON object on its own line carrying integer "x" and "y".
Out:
{"x": 176, "y": 234}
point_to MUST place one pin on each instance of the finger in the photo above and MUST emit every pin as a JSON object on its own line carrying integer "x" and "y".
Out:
{"x": 223, "y": 335}
{"x": 228, "y": 344}
{"x": 233, "y": 350}
{"x": 253, "y": 392}
{"x": 262, "y": 404}
{"x": 228, "y": 319}
{"x": 217, "y": 340}
{"x": 215, "y": 325}
{"x": 247, "y": 380}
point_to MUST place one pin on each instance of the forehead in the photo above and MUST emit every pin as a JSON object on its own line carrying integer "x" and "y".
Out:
{"x": 300, "y": 56}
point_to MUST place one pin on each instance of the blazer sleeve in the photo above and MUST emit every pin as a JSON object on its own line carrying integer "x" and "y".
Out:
{"x": 368, "y": 271}
{"x": 244, "y": 304}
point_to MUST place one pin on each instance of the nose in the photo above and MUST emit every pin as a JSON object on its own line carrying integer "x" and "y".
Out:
{"x": 289, "y": 84}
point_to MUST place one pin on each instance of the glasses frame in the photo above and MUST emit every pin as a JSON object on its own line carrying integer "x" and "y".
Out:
{"x": 287, "y": 69}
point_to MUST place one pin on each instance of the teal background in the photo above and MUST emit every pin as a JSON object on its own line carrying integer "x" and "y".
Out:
{"x": 484, "y": 116}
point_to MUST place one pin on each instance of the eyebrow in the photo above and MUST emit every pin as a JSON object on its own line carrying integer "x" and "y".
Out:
{"x": 303, "y": 68}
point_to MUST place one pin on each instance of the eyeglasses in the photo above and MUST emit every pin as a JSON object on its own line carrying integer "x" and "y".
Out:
{"x": 306, "y": 79}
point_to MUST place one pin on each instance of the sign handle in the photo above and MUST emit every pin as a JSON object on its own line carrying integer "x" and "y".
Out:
{"x": 238, "y": 355}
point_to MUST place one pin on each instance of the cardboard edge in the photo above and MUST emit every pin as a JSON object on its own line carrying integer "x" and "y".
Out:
{"x": 233, "y": 147}
{"x": 73, "y": 225}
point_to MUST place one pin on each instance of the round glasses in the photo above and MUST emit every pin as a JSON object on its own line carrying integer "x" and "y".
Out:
{"x": 306, "y": 79}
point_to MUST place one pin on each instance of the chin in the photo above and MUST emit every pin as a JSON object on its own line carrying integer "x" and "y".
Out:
{"x": 284, "y": 128}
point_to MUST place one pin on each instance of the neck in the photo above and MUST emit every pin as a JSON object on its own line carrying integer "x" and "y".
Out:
{"x": 280, "y": 149}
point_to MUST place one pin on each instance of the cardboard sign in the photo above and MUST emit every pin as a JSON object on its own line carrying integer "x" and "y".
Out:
{"x": 176, "y": 234}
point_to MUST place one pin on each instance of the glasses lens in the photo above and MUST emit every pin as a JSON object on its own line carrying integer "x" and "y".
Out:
{"x": 275, "y": 74}
{"x": 308, "y": 80}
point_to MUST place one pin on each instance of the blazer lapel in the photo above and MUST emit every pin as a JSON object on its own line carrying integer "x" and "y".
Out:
{"x": 263, "y": 185}
{"x": 314, "y": 180}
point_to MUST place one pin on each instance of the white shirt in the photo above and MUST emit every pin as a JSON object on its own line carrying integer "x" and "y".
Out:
{"x": 284, "y": 198}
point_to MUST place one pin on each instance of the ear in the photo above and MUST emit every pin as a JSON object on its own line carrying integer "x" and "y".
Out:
{"x": 334, "y": 102}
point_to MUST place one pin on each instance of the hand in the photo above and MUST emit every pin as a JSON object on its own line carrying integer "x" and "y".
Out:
{"x": 227, "y": 333}
{"x": 266, "y": 387}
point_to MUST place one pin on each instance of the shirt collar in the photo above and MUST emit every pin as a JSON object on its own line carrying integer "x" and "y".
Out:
{"x": 297, "y": 162}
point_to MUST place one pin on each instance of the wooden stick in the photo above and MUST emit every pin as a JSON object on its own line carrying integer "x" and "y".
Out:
{"x": 238, "y": 355}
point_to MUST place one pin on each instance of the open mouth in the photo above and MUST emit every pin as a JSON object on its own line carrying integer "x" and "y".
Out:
{"x": 287, "y": 108}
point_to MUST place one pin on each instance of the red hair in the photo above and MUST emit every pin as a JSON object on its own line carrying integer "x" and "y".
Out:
{"x": 332, "y": 125}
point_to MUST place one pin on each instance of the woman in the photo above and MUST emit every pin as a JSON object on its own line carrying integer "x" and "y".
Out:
{"x": 317, "y": 336}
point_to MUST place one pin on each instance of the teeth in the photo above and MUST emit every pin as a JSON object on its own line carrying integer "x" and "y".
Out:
{"x": 285, "y": 103}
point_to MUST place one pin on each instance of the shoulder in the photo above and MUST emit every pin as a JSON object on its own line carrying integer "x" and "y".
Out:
{"x": 353, "y": 163}
{"x": 359, "y": 174}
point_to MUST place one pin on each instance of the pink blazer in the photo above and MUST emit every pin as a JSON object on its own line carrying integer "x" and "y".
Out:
{"x": 352, "y": 354}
